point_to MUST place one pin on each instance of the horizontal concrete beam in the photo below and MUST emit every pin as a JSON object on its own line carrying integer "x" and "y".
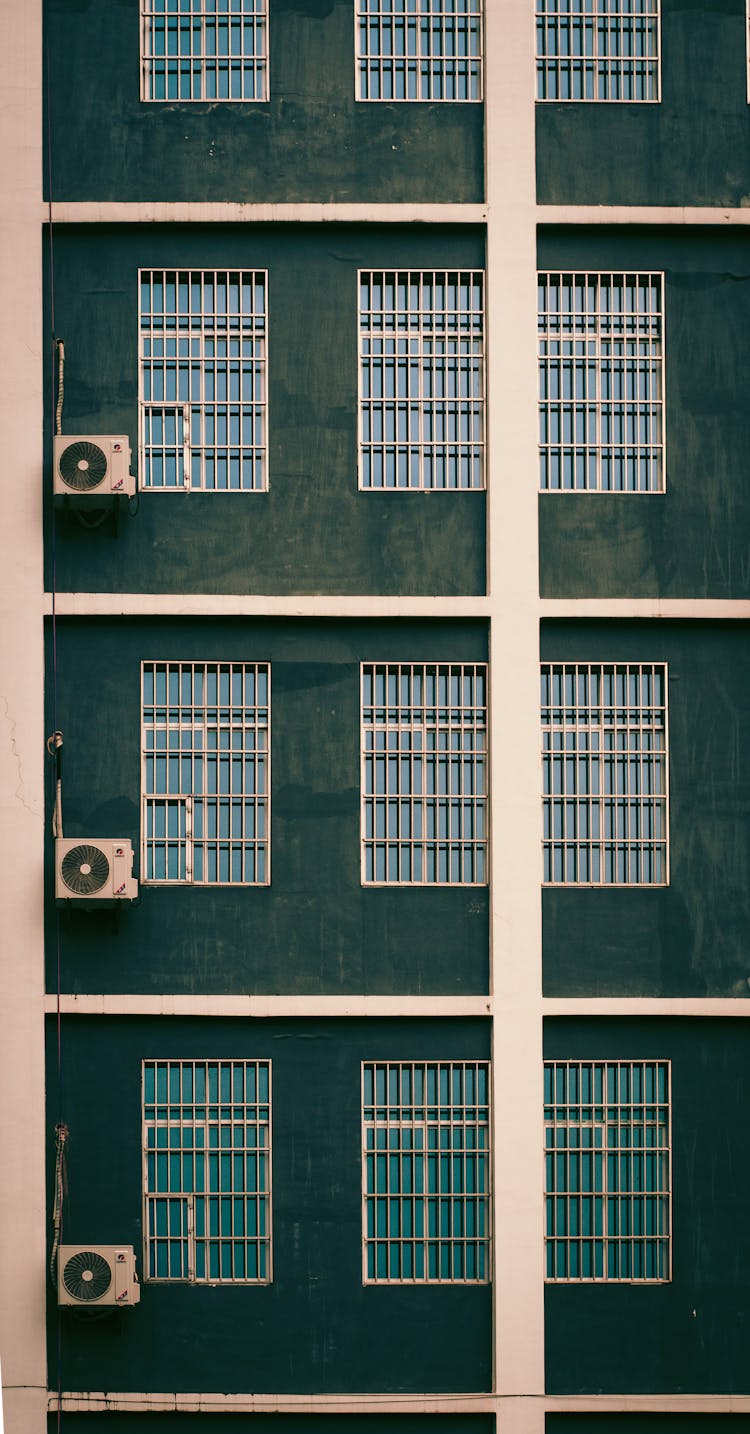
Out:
{"x": 200, "y": 212}
{"x": 374, "y": 605}
{"x": 418, "y": 1007}
{"x": 209, "y": 1403}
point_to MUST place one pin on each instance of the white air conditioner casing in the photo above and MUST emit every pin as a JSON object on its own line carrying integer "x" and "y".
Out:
{"x": 94, "y": 870}
{"x": 96, "y": 1275}
{"x": 89, "y": 467}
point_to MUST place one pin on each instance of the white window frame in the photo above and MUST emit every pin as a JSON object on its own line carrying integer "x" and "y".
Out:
{"x": 420, "y": 814}
{"x": 590, "y": 806}
{"x": 597, "y": 62}
{"x": 421, "y": 56}
{"x": 228, "y": 1118}
{"x": 613, "y": 1122}
{"x": 183, "y": 804}
{"x": 401, "y": 1133}
{"x": 190, "y": 348}
{"x": 412, "y": 353}
{"x": 252, "y": 12}
{"x": 588, "y": 356}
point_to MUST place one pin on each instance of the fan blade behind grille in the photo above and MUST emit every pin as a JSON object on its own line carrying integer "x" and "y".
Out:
{"x": 85, "y": 870}
{"x": 82, "y": 466}
{"x": 87, "y": 1275}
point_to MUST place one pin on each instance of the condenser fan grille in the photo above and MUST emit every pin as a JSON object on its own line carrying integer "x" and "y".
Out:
{"x": 87, "y": 1275}
{"x": 82, "y": 466}
{"x": 85, "y": 870}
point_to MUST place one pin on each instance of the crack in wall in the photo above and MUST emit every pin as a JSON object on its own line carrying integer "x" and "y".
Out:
{"x": 16, "y": 755}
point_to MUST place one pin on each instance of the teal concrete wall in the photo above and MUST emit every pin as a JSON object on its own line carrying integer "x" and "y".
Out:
{"x": 316, "y": 1328}
{"x": 689, "y": 1336}
{"x": 690, "y": 149}
{"x": 689, "y": 938}
{"x": 311, "y": 141}
{"x": 694, "y": 539}
{"x": 315, "y": 928}
{"x": 647, "y": 1423}
{"x": 313, "y": 531}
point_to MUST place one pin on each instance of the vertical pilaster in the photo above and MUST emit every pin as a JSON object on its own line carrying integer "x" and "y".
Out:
{"x": 22, "y": 1221}
{"x": 514, "y": 719}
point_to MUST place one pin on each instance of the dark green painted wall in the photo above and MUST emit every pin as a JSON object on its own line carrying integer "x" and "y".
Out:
{"x": 689, "y": 1336}
{"x": 647, "y": 1423}
{"x": 693, "y": 540}
{"x": 690, "y": 938}
{"x": 693, "y": 148}
{"x": 316, "y": 1328}
{"x": 312, "y": 531}
{"x": 312, "y": 141}
{"x": 315, "y": 928}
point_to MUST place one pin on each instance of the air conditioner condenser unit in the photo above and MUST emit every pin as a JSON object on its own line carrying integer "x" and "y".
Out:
{"x": 94, "y": 870}
{"x": 95, "y": 1275}
{"x": 91, "y": 467}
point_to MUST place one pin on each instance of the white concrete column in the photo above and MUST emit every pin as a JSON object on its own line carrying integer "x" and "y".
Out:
{"x": 514, "y": 717}
{"x": 22, "y": 1223}
{"x": 521, "y": 1416}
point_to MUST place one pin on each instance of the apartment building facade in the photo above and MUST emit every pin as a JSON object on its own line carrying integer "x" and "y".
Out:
{"x": 415, "y": 674}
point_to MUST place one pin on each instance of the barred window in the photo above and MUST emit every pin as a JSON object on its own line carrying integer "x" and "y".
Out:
{"x": 207, "y": 1170}
{"x": 424, "y": 773}
{"x": 421, "y": 376}
{"x": 601, "y": 383}
{"x": 204, "y": 50}
{"x": 597, "y": 49}
{"x": 203, "y": 380}
{"x": 604, "y": 766}
{"x": 206, "y": 772}
{"x": 419, "y": 49}
{"x": 426, "y": 1171}
{"x": 608, "y": 1169}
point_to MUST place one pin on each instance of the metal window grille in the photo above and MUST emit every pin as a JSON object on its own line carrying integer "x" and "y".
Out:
{"x": 426, "y": 1172}
{"x": 424, "y": 773}
{"x": 203, "y": 380}
{"x": 421, "y": 376}
{"x": 207, "y": 1170}
{"x": 206, "y": 772}
{"x": 608, "y": 1170}
{"x": 204, "y": 50}
{"x": 419, "y": 49}
{"x": 604, "y": 769}
{"x": 601, "y": 383}
{"x": 598, "y": 50}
